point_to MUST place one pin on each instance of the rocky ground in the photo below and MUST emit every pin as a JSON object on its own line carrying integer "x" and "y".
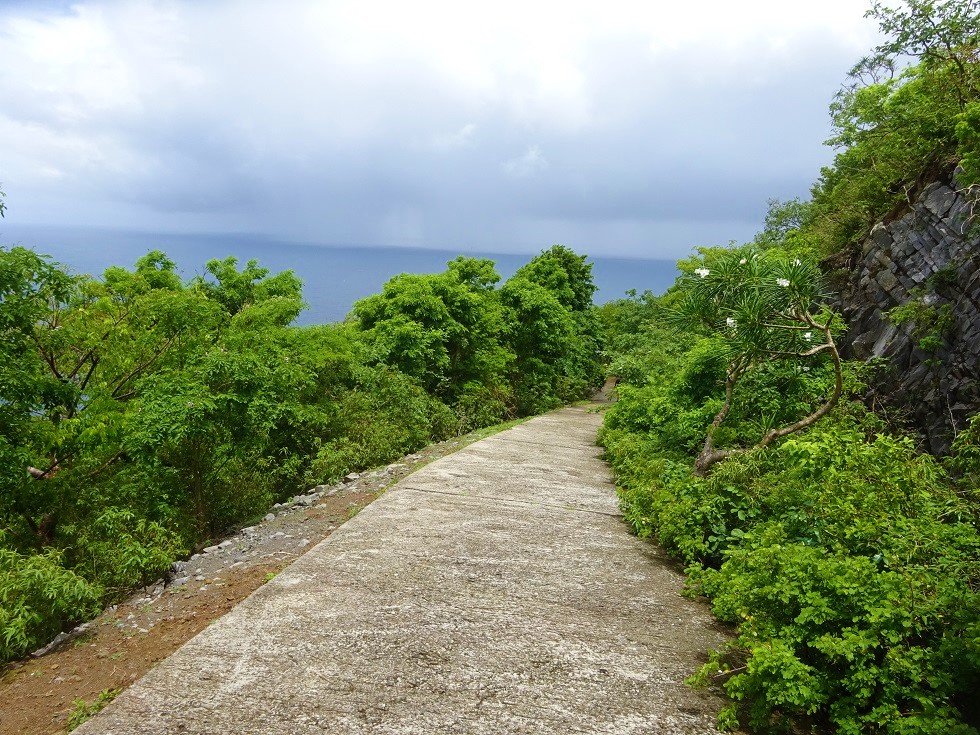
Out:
{"x": 39, "y": 695}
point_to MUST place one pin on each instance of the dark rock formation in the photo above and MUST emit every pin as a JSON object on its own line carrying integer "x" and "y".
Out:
{"x": 928, "y": 260}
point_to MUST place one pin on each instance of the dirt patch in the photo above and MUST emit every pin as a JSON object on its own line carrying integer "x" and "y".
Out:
{"x": 38, "y": 694}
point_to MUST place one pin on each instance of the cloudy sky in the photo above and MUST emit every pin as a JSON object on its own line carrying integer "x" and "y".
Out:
{"x": 621, "y": 128}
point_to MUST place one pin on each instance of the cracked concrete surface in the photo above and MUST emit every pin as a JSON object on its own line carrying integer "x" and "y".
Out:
{"x": 495, "y": 590}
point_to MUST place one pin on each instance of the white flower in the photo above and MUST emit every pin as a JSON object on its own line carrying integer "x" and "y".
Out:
{"x": 702, "y": 272}
{"x": 731, "y": 323}
{"x": 796, "y": 262}
{"x": 782, "y": 282}
{"x": 808, "y": 336}
{"x": 743, "y": 261}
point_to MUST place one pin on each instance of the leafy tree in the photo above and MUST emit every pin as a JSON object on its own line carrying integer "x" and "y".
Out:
{"x": 898, "y": 127}
{"x": 567, "y": 275}
{"x": 141, "y": 414}
{"x": 553, "y": 329}
{"x": 29, "y": 285}
{"x": 940, "y": 33}
{"x": 443, "y": 329}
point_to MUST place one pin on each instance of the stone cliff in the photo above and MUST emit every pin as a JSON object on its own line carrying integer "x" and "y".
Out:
{"x": 926, "y": 263}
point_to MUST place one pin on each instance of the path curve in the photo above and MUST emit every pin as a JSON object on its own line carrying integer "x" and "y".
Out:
{"x": 496, "y": 590}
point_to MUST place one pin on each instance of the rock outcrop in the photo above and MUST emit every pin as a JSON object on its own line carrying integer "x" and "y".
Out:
{"x": 927, "y": 261}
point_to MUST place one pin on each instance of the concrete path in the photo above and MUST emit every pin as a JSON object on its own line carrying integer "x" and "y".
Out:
{"x": 494, "y": 591}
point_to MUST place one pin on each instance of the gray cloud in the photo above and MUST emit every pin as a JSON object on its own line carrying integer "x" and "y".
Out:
{"x": 622, "y": 132}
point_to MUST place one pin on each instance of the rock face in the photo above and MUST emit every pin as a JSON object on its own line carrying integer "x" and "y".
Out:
{"x": 929, "y": 262}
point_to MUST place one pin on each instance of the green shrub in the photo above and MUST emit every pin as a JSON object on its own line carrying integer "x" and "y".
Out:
{"x": 119, "y": 551}
{"x": 38, "y": 598}
{"x": 847, "y": 560}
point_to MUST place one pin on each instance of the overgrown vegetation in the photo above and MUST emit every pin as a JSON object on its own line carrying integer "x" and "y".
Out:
{"x": 142, "y": 415}
{"x": 848, "y": 562}
{"x": 899, "y": 128}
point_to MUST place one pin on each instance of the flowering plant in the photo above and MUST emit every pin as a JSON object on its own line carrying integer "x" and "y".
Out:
{"x": 767, "y": 309}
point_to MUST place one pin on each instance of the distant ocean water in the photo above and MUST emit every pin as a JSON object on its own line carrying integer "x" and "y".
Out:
{"x": 334, "y": 277}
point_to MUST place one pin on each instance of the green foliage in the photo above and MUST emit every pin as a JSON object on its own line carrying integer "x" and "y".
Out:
{"x": 552, "y": 330}
{"x": 968, "y": 139}
{"x": 765, "y": 311}
{"x": 38, "y": 597}
{"x": 443, "y": 329}
{"x": 119, "y": 551}
{"x": 931, "y": 322}
{"x": 141, "y": 415}
{"x": 898, "y": 129}
{"x": 83, "y": 711}
{"x": 848, "y": 563}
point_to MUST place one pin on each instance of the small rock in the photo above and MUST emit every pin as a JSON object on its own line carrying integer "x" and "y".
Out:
{"x": 211, "y": 549}
{"x": 277, "y": 534}
{"x": 303, "y": 542}
{"x": 321, "y": 488}
{"x": 44, "y": 649}
{"x": 225, "y": 544}
{"x": 195, "y": 557}
{"x": 199, "y": 578}
{"x": 351, "y": 477}
{"x": 179, "y": 581}
{"x": 269, "y": 517}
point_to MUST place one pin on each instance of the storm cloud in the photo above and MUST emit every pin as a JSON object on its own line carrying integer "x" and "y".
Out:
{"x": 627, "y": 130}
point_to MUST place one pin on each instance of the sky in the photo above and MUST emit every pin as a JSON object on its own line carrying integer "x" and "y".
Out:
{"x": 636, "y": 129}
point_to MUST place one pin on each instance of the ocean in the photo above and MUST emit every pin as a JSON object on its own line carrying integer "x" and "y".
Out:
{"x": 334, "y": 277}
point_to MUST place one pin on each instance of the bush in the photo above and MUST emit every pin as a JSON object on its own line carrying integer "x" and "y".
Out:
{"x": 38, "y": 598}
{"x": 847, "y": 560}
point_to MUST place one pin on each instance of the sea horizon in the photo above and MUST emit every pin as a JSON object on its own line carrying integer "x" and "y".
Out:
{"x": 334, "y": 276}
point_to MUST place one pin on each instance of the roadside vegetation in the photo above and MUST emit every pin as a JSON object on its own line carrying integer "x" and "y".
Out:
{"x": 848, "y": 561}
{"x": 142, "y": 415}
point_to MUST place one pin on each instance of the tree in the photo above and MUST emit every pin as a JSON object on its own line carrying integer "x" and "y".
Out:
{"x": 563, "y": 272}
{"x": 442, "y": 329}
{"x": 29, "y": 285}
{"x": 939, "y": 33}
{"x": 553, "y": 329}
{"x": 766, "y": 308}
